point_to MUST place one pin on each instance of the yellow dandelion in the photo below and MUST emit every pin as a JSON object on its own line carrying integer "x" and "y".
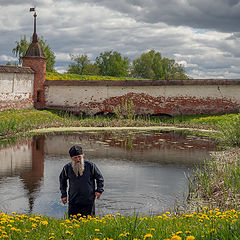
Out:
{"x": 190, "y": 238}
{"x": 213, "y": 230}
{"x": 34, "y": 225}
{"x": 44, "y": 223}
{"x": 148, "y": 235}
{"x": 151, "y": 229}
{"x": 176, "y": 237}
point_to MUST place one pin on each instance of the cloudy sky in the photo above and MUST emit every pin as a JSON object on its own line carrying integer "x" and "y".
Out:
{"x": 202, "y": 35}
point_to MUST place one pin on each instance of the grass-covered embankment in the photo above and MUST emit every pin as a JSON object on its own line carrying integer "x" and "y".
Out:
{"x": 14, "y": 123}
{"x": 206, "y": 224}
{"x": 216, "y": 183}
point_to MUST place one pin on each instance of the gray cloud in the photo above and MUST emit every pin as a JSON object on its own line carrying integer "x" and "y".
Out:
{"x": 221, "y": 15}
{"x": 203, "y": 35}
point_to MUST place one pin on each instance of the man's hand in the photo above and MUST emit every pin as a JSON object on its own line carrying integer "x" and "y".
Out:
{"x": 64, "y": 200}
{"x": 97, "y": 195}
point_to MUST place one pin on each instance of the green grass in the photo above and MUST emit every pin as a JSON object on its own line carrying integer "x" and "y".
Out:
{"x": 203, "y": 225}
{"x": 202, "y": 120}
{"x": 216, "y": 183}
{"x": 14, "y": 123}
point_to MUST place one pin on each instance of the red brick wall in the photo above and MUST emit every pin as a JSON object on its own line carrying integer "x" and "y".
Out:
{"x": 16, "y": 104}
{"x": 38, "y": 64}
{"x": 174, "y": 97}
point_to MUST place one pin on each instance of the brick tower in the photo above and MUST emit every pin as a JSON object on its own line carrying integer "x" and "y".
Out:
{"x": 36, "y": 59}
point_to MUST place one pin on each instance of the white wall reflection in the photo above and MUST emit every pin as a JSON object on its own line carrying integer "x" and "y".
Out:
{"x": 13, "y": 159}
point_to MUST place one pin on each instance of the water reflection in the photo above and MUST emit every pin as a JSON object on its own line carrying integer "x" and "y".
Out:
{"x": 24, "y": 162}
{"x": 143, "y": 171}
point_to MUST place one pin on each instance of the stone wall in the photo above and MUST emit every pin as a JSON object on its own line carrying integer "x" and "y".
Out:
{"x": 173, "y": 97}
{"x": 16, "y": 87}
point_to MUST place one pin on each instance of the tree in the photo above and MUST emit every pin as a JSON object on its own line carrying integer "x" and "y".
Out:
{"x": 112, "y": 64}
{"x": 11, "y": 64}
{"x": 22, "y": 46}
{"x": 142, "y": 66}
{"x": 82, "y": 65}
{"x": 151, "y": 65}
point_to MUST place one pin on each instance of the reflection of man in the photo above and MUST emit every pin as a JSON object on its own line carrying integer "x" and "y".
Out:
{"x": 81, "y": 175}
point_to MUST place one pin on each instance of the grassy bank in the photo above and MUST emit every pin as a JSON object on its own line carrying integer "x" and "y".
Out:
{"x": 216, "y": 183}
{"x": 204, "y": 225}
{"x": 16, "y": 123}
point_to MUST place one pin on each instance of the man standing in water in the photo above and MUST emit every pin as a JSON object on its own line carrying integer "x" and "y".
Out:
{"x": 81, "y": 175}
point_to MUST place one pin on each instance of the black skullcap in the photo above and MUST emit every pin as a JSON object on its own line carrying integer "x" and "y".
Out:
{"x": 75, "y": 151}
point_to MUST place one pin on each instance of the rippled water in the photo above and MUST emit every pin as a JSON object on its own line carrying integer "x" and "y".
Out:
{"x": 144, "y": 172}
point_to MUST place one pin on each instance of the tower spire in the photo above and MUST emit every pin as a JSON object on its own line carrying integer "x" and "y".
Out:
{"x": 34, "y": 38}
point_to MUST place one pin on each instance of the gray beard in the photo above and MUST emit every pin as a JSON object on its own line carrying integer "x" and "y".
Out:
{"x": 78, "y": 167}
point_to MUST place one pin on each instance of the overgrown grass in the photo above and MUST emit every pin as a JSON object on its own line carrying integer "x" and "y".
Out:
{"x": 14, "y": 123}
{"x": 227, "y": 125}
{"x": 208, "y": 121}
{"x": 203, "y": 225}
{"x": 217, "y": 182}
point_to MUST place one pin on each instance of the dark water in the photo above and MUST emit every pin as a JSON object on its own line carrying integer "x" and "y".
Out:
{"x": 144, "y": 172}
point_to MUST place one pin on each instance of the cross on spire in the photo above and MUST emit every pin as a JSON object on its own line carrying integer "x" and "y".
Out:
{"x": 35, "y": 39}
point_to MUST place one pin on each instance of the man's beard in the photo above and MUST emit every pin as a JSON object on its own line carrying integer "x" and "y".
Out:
{"x": 78, "y": 167}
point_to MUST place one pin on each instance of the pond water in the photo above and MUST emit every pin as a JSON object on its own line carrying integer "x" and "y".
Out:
{"x": 144, "y": 172}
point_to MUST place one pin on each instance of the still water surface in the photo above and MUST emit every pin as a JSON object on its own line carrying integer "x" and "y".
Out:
{"x": 144, "y": 172}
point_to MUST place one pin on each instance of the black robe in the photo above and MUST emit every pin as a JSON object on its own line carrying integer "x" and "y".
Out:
{"x": 81, "y": 189}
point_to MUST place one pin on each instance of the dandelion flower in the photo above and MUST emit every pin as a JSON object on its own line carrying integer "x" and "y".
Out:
{"x": 148, "y": 235}
{"x": 190, "y": 238}
{"x": 175, "y": 237}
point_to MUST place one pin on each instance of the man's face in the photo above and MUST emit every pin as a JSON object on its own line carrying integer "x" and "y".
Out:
{"x": 78, "y": 158}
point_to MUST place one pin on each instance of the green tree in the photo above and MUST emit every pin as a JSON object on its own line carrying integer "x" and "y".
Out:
{"x": 142, "y": 66}
{"x": 113, "y": 64}
{"x": 21, "y": 47}
{"x": 12, "y": 64}
{"x": 82, "y": 65}
{"x": 151, "y": 65}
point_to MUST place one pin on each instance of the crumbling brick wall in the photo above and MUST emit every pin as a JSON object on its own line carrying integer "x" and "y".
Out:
{"x": 173, "y": 97}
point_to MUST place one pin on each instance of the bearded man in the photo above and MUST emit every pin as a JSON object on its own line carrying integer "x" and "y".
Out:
{"x": 81, "y": 175}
